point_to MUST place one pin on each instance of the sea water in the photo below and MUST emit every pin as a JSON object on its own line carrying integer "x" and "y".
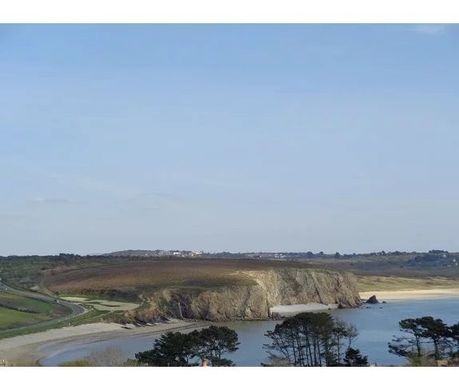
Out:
{"x": 376, "y": 325}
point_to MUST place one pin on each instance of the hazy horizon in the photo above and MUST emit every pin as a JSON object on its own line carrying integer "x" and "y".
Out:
{"x": 333, "y": 138}
{"x": 211, "y": 252}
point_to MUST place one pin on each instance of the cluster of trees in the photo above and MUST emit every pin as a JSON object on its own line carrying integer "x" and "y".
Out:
{"x": 307, "y": 339}
{"x": 304, "y": 340}
{"x": 426, "y": 338}
{"x": 314, "y": 339}
{"x": 175, "y": 349}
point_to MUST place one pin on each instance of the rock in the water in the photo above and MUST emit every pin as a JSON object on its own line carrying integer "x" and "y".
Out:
{"x": 372, "y": 300}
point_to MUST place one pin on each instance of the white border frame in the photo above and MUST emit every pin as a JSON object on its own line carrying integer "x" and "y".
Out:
{"x": 229, "y": 11}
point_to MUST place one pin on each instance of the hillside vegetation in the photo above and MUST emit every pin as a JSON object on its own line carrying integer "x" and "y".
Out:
{"x": 17, "y": 311}
{"x": 222, "y": 288}
{"x": 128, "y": 276}
{"x": 394, "y": 283}
{"x": 124, "y": 277}
{"x": 199, "y": 288}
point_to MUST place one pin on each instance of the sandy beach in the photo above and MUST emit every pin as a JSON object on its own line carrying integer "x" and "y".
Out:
{"x": 434, "y": 293}
{"x": 28, "y": 349}
{"x": 291, "y": 310}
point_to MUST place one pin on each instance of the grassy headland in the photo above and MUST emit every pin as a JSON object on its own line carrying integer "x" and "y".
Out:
{"x": 397, "y": 283}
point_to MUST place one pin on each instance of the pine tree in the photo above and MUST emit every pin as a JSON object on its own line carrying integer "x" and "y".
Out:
{"x": 354, "y": 358}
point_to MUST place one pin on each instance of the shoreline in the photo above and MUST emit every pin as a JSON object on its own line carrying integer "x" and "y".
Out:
{"x": 28, "y": 350}
{"x": 392, "y": 295}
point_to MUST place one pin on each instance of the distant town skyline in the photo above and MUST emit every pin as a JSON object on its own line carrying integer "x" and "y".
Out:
{"x": 241, "y": 138}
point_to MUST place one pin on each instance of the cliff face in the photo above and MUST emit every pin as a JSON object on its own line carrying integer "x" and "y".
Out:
{"x": 265, "y": 289}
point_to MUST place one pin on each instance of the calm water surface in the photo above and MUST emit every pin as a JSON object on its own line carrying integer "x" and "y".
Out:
{"x": 376, "y": 324}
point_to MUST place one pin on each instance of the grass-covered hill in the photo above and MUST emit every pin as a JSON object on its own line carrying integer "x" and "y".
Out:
{"x": 17, "y": 311}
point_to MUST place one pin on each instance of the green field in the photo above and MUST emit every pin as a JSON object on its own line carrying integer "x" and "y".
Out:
{"x": 10, "y": 318}
{"x": 37, "y": 326}
{"x": 17, "y": 311}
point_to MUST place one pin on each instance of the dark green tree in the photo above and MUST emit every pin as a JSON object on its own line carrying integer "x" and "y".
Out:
{"x": 285, "y": 342}
{"x": 180, "y": 349}
{"x": 344, "y": 335}
{"x": 173, "y": 349}
{"x": 354, "y": 358}
{"x": 309, "y": 339}
{"x": 437, "y": 332}
{"x": 402, "y": 346}
{"x": 213, "y": 342}
{"x": 410, "y": 345}
{"x": 454, "y": 336}
{"x": 418, "y": 332}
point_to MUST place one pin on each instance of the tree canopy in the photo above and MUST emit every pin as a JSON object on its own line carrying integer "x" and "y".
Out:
{"x": 175, "y": 349}
{"x": 311, "y": 339}
{"x": 425, "y": 337}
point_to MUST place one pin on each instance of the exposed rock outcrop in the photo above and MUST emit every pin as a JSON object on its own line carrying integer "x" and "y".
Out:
{"x": 253, "y": 300}
{"x": 372, "y": 300}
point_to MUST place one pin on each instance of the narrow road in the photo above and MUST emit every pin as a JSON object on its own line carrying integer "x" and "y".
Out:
{"x": 75, "y": 308}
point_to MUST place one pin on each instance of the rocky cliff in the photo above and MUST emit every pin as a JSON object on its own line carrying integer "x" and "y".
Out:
{"x": 253, "y": 300}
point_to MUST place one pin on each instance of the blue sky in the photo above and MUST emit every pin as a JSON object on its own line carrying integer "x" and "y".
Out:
{"x": 253, "y": 137}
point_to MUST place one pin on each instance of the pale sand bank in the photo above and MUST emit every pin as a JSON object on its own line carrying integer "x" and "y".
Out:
{"x": 434, "y": 293}
{"x": 28, "y": 349}
{"x": 290, "y": 310}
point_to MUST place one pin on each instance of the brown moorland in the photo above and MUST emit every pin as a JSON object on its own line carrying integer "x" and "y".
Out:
{"x": 147, "y": 275}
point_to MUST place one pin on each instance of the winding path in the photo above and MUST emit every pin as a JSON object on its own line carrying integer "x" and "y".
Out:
{"x": 75, "y": 308}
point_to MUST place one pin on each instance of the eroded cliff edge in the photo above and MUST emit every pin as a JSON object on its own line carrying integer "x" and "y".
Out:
{"x": 252, "y": 300}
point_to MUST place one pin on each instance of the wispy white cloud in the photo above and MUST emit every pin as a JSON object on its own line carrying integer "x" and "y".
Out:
{"x": 52, "y": 201}
{"x": 430, "y": 29}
